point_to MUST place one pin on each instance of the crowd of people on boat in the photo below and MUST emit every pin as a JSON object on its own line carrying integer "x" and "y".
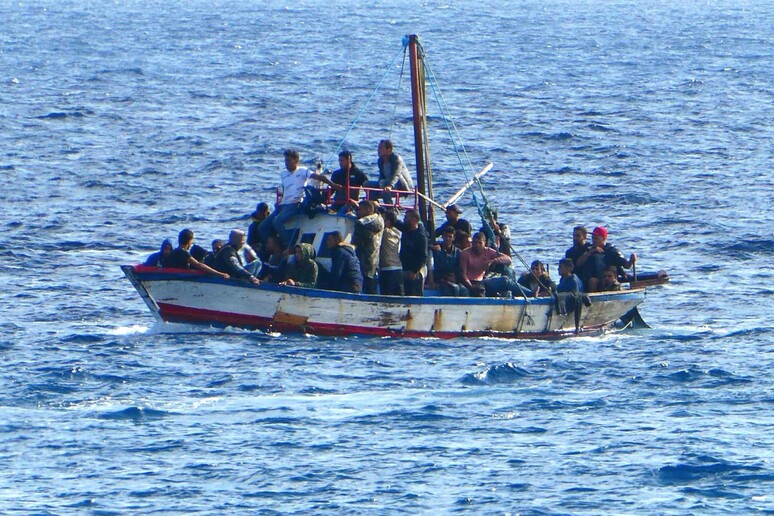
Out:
{"x": 388, "y": 254}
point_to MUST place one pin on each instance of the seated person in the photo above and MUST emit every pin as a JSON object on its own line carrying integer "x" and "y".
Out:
{"x": 302, "y": 271}
{"x": 610, "y": 280}
{"x": 462, "y": 239}
{"x": 603, "y": 255}
{"x": 251, "y": 260}
{"x": 502, "y": 234}
{"x": 537, "y": 280}
{"x": 454, "y": 221}
{"x": 217, "y": 244}
{"x": 295, "y": 180}
{"x": 345, "y": 273}
{"x": 474, "y": 262}
{"x": 393, "y": 174}
{"x": 198, "y": 252}
{"x": 569, "y": 293}
{"x": 568, "y": 281}
{"x": 273, "y": 269}
{"x": 578, "y": 253}
{"x": 180, "y": 257}
{"x": 229, "y": 260}
{"x": 260, "y": 214}
{"x": 157, "y": 258}
{"x": 350, "y": 178}
{"x": 446, "y": 266}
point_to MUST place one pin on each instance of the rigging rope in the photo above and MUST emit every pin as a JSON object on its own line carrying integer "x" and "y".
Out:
{"x": 485, "y": 211}
{"x": 362, "y": 110}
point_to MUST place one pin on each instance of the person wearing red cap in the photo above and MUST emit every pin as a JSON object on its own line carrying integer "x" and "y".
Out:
{"x": 603, "y": 255}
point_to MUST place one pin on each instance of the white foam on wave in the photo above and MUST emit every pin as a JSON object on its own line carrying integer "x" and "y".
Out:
{"x": 134, "y": 329}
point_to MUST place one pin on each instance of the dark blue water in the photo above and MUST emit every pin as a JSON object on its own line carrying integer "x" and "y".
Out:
{"x": 123, "y": 122}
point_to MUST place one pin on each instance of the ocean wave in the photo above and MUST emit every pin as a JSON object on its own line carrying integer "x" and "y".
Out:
{"x": 136, "y": 414}
{"x": 703, "y": 468}
{"x": 496, "y": 374}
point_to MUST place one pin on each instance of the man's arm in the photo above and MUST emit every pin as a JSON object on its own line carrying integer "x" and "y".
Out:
{"x": 195, "y": 264}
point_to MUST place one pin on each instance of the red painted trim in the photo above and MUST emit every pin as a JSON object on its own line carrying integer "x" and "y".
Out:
{"x": 181, "y": 314}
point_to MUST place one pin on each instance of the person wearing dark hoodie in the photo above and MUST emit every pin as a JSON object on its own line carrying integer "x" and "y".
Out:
{"x": 302, "y": 272}
{"x": 229, "y": 261}
{"x": 156, "y": 259}
{"x": 345, "y": 273}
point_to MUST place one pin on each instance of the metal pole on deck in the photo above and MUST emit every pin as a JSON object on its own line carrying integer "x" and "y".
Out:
{"x": 418, "y": 106}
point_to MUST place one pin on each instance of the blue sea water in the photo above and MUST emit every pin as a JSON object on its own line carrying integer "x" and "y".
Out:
{"x": 123, "y": 122}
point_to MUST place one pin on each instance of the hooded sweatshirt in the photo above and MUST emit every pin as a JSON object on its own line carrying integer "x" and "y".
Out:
{"x": 155, "y": 259}
{"x": 304, "y": 272}
{"x": 345, "y": 270}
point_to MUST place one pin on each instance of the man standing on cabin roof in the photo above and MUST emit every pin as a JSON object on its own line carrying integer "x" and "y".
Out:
{"x": 393, "y": 174}
{"x": 603, "y": 255}
{"x": 453, "y": 219}
{"x": 350, "y": 178}
{"x": 294, "y": 181}
{"x": 180, "y": 258}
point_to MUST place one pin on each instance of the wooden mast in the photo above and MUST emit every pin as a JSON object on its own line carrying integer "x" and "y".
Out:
{"x": 418, "y": 104}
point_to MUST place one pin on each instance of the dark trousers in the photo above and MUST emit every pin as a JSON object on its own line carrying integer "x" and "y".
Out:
{"x": 370, "y": 285}
{"x": 391, "y": 283}
{"x": 415, "y": 287}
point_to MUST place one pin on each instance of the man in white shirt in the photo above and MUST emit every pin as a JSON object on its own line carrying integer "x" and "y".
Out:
{"x": 294, "y": 180}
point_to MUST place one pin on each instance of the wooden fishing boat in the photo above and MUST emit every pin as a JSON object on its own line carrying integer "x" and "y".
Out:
{"x": 175, "y": 295}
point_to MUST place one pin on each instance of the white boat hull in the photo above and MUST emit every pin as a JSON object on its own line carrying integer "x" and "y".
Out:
{"x": 186, "y": 296}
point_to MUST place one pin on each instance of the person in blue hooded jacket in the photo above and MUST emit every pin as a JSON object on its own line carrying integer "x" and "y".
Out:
{"x": 156, "y": 259}
{"x": 345, "y": 273}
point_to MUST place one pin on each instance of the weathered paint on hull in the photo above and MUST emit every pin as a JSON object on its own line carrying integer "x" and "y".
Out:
{"x": 182, "y": 296}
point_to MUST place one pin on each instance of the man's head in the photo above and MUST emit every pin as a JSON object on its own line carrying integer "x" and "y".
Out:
{"x": 453, "y": 213}
{"x": 479, "y": 242}
{"x": 579, "y": 235}
{"x": 333, "y": 239}
{"x": 167, "y": 248}
{"x": 185, "y": 238}
{"x": 217, "y": 244}
{"x": 566, "y": 267}
{"x": 385, "y": 148}
{"x": 538, "y": 268}
{"x": 261, "y": 211}
{"x": 365, "y": 208}
{"x": 411, "y": 219}
{"x": 291, "y": 159}
{"x": 599, "y": 236}
{"x": 462, "y": 239}
{"x": 345, "y": 160}
{"x": 236, "y": 238}
{"x": 448, "y": 236}
{"x": 390, "y": 218}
